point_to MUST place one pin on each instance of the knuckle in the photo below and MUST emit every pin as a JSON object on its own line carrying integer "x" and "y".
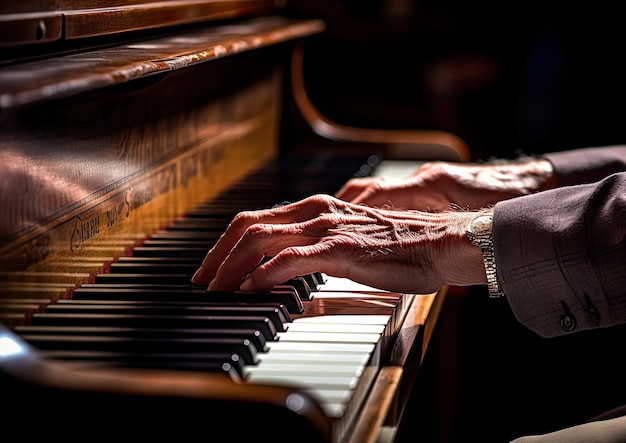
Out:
{"x": 323, "y": 200}
{"x": 241, "y": 219}
{"x": 258, "y": 231}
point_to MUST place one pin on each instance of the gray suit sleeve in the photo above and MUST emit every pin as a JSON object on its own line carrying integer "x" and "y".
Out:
{"x": 561, "y": 254}
{"x": 587, "y": 165}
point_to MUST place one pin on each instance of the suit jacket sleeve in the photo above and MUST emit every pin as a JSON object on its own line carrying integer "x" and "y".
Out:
{"x": 561, "y": 254}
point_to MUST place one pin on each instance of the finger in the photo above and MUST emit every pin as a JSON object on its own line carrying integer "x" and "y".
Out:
{"x": 353, "y": 187}
{"x": 236, "y": 229}
{"x": 376, "y": 198}
{"x": 290, "y": 263}
{"x": 258, "y": 242}
{"x": 302, "y": 211}
{"x": 367, "y": 196}
{"x": 373, "y": 191}
{"x": 216, "y": 255}
{"x": 233, "y": 269}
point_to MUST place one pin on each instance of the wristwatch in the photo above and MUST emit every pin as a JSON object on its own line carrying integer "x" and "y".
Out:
{"x": 479, "y": 233}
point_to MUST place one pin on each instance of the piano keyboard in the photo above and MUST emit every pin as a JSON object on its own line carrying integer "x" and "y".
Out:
{"x": 317, "y": 334}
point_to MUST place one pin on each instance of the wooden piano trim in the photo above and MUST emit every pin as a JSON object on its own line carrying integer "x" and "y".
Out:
{"x": 408, "y": 144}
{"x": 44, "y": 80}
{"x": 382, "y": 413}
{"x": 369, "y": 426}
{"x": 66, "y": 20}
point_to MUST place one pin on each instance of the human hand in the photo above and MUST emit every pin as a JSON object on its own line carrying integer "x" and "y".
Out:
{"x": 400, "y": 251}
{"x": 435, "y": 186}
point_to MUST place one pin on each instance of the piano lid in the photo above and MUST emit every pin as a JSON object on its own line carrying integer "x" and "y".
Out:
{"x": 36, "y": 22}
{"x": 69, "y": 74}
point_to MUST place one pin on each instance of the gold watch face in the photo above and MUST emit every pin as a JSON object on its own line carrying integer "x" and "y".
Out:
{"x": 481, "y": 226}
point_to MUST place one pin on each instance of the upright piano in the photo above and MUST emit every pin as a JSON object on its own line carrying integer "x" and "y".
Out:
{"x": 131, "y": 131}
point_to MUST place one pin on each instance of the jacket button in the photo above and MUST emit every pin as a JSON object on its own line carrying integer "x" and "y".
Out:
{"x": 567, "y": 321}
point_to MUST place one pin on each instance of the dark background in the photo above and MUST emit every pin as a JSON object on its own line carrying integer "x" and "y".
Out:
{"x": 504, "y": 76}
{"x": 507, "y": 77}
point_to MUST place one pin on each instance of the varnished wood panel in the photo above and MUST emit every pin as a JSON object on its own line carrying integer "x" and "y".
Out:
{"x": 105, "y": 146}
{"x": 24, "y": 23}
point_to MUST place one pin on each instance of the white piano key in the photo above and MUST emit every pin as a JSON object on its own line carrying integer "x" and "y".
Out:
{"x": 337, "y": 396}
{"x": 297, "y": 326}
{"x": 315, "y": 358}
{"x": 328, "y": 376}
{"x": 348, "y": 348}
{"x": 345, "y": 319}
{"x": 343, "y": 382}
{"x": 331, "y": 373}
{"x": 330, "y": 337}
{"x": 303, "y": 368}
{"x": 333, "y": 410}
{"x": 338, "y": 284}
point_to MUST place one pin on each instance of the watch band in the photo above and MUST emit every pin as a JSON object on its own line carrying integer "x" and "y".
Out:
{"x": 479, "y": 233}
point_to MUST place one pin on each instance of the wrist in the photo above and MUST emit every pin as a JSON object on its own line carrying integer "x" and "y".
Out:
{"x": 545, "y": 170}
{"x": 463, "y": 264}
{"x": 525, "y": 175}
{"x": 479, "y": 233}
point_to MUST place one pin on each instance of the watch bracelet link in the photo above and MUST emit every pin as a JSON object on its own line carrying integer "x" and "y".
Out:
{"x": 480, "y": 233}
{"x": 490, "y": 268}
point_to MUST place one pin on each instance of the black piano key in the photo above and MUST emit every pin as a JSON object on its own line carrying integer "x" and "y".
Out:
{"x": 241, "y": 195}
{"x": 274, "y": 313}
{"x": 170, "y": 251}
{"x": 262, "y": 323}
{"x": 197, "y": 224}
{"x": 290, "y": 300}
{"x": 162, "y": 272}
{"x": 254, "y": 335}
{"x": 301, "y": 287}
{"x": 153, "y": 268}
{"x": 313, "y": 281}
{"x": 225, "y": 216}
{"x": 213, "y": 209}
{"x": 110, "y": 288}
{"x": 181, "y": 242}
{"x": 160, "y": 260}
{"x": 319, "y": 277}
{"x": 154, "y": 279}
{"x": 197, "y": 236}
{"x": 228, "y": 363}
{"x": 241, "y": 346}
{"x": 287, "y": 290}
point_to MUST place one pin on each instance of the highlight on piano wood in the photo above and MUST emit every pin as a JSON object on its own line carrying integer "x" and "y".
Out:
{"x": 130, "y": 134}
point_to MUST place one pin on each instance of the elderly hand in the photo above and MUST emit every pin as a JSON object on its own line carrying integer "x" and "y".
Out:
{"x": 435, "y": 186}
{"x": 401, "y": 251}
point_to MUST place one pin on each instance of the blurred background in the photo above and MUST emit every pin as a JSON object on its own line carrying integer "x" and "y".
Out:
{"x": 504, "y": 76}
{"x": 508, "y": 78}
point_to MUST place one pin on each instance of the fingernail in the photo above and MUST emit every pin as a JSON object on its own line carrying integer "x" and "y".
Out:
{"x": 245, "y": 285}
